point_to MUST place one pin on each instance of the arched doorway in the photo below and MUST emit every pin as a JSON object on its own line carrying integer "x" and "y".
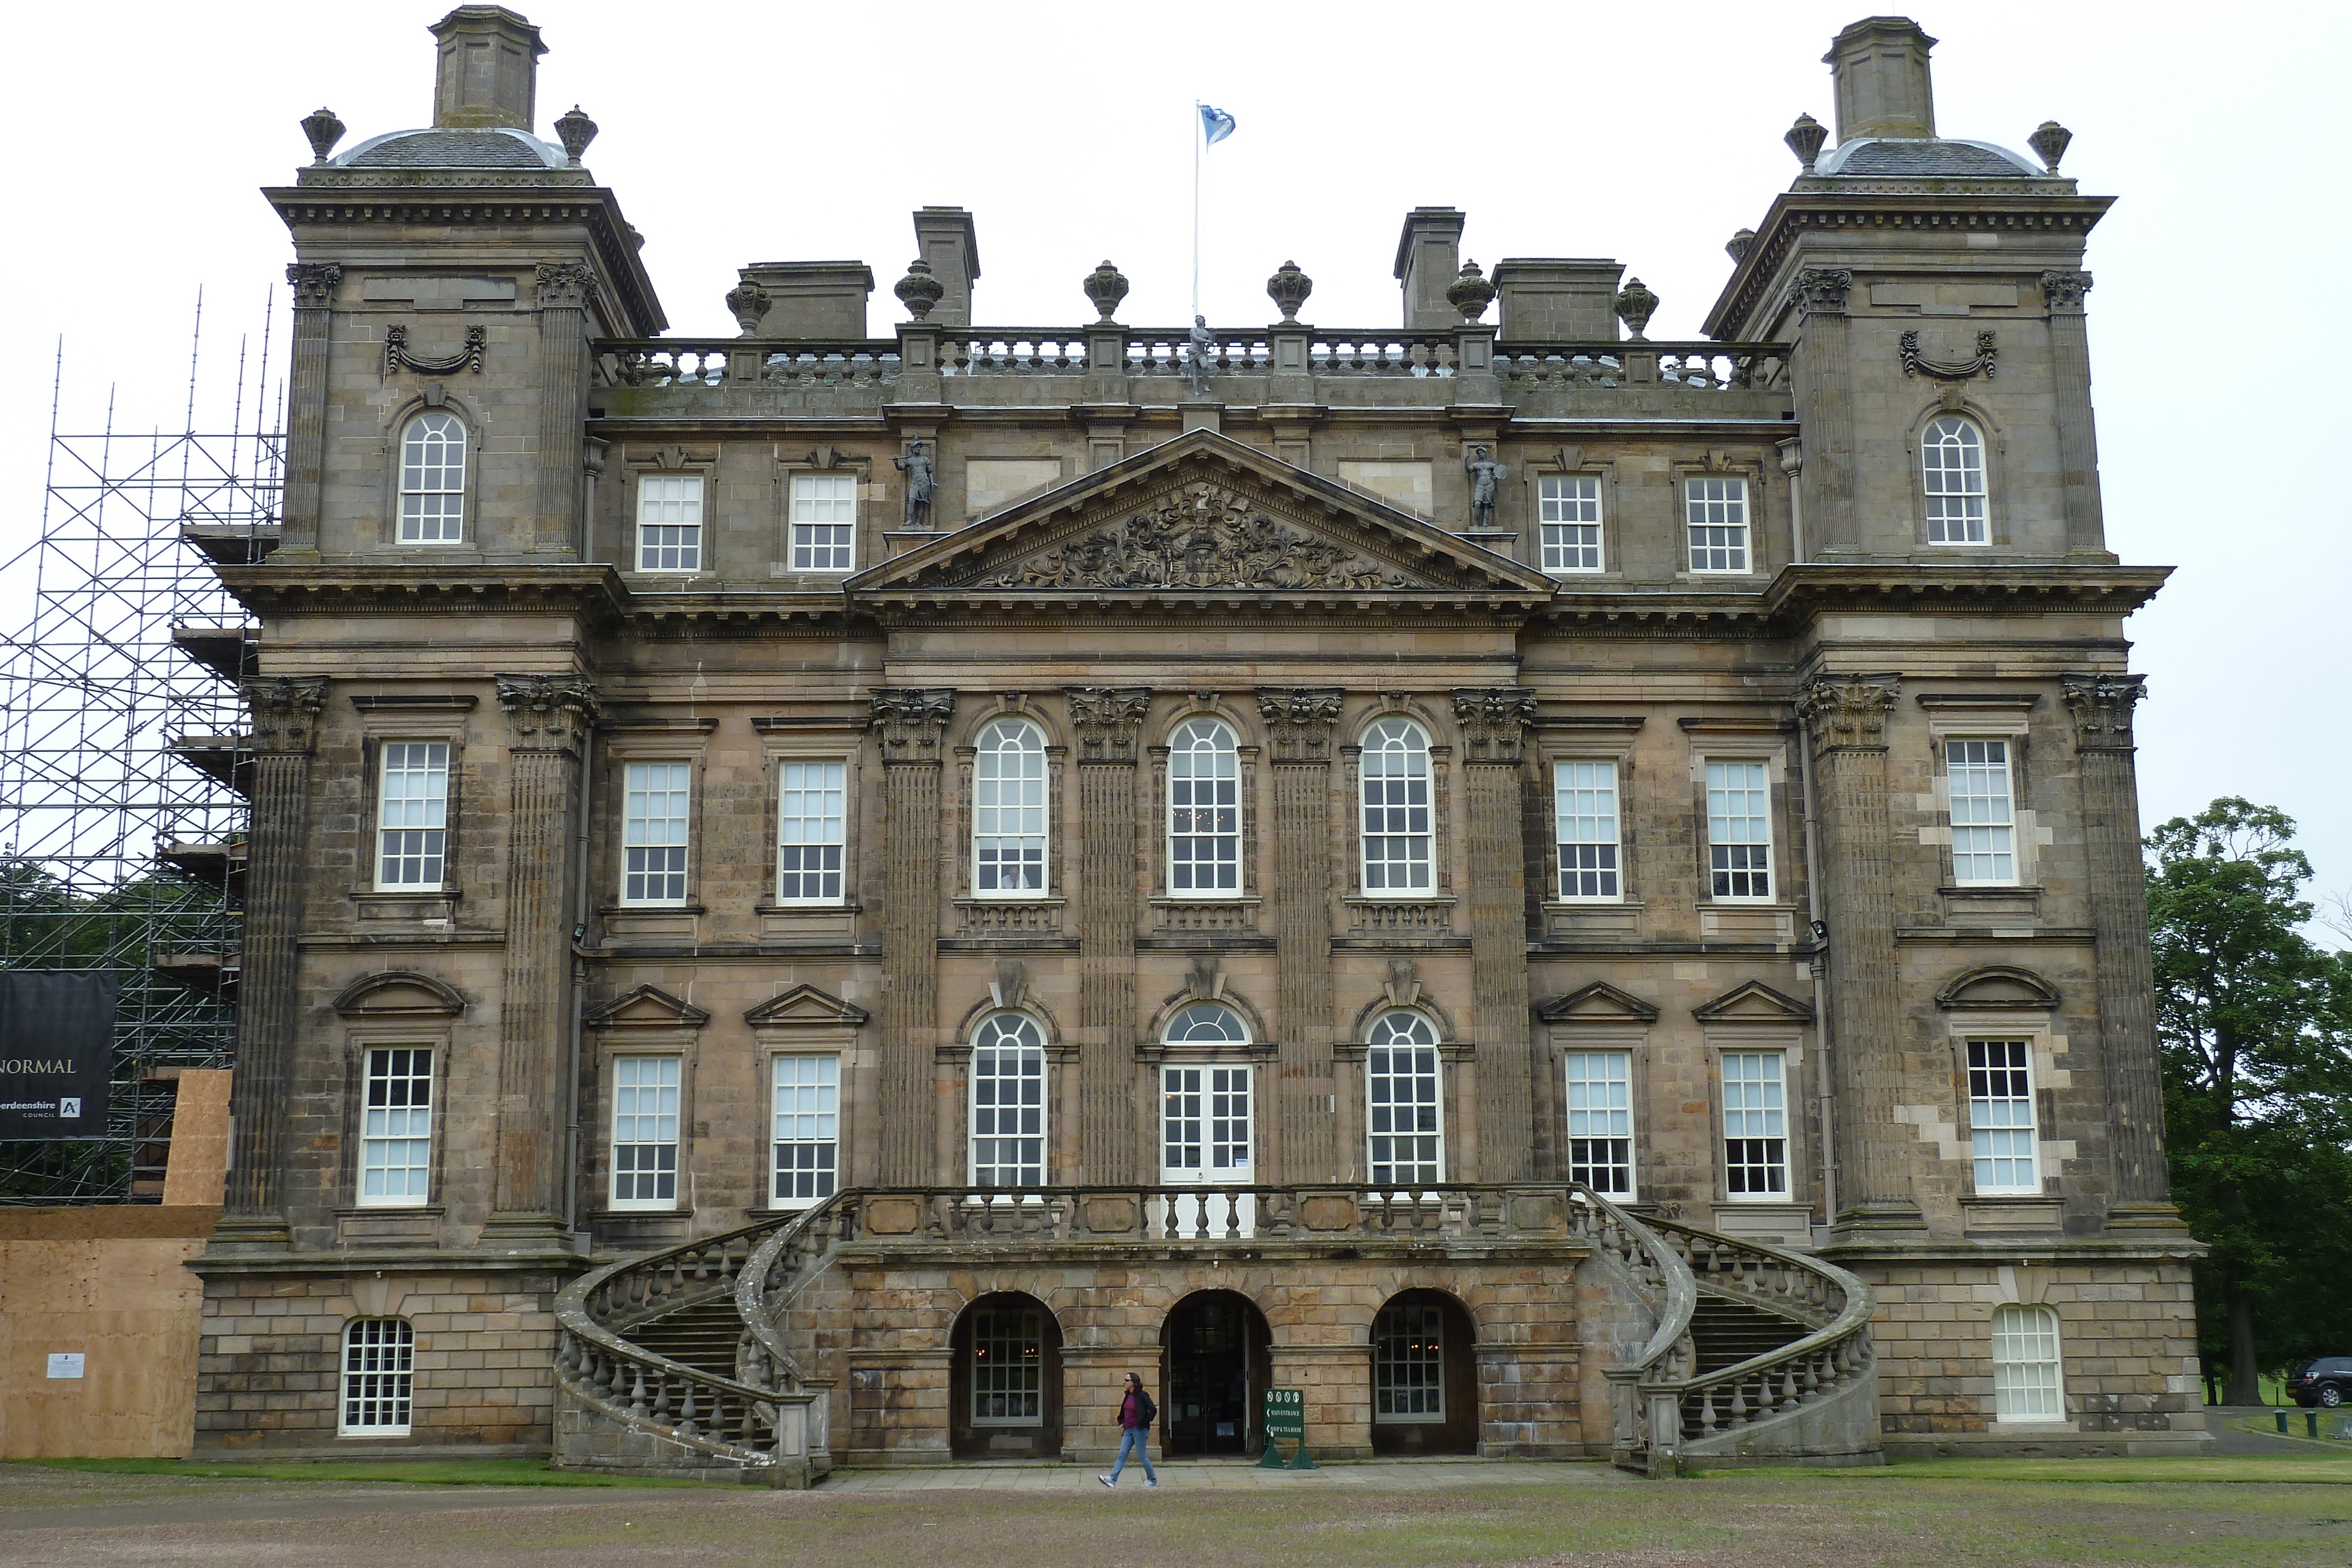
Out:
{"x": 1004, "y": 1384}
{"x": 1215, "y": 1358}
{"x": 1424, "y": 1376}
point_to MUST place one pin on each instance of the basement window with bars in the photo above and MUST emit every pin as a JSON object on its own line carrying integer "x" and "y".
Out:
{"x": 1754, "y": 1125}
{"x": 1600, "y": 1121}
{"x": 379, "y": 1378}
{"x": 644, "y": 1131}
{"x": 1409, "y": 1363}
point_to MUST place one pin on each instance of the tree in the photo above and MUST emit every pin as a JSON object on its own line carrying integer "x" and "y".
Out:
{"x": 2255, "y": 1027}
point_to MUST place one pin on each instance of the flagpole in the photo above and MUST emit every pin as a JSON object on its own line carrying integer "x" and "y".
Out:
{"x": 1197, "y": 132}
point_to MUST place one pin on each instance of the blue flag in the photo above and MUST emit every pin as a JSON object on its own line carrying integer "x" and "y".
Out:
{"x": 1215, "y": 124}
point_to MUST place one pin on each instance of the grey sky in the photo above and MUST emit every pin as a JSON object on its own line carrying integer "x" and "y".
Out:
{"x": 737, "y": 133}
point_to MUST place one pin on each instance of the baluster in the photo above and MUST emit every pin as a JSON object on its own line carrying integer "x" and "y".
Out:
{"x": 1706, "y": 1410}
{"x": 1787, "y": 1386}
{"x": 1738, "y": 1402}
{"x": 660, "y": 1411}
{"x": 685, "y": 1425}
{"x": 638, "y": 1390}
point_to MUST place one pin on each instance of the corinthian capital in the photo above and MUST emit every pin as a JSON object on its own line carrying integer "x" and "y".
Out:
{"x": 314, "y": 281}
{"x": 912, "y": 719}
{"x": 1847, "y": 711}
{"x": 1821, "y": 290}
{"x": 2102, "y": 707}
{"x": 2064, "y": 290}
{"x": 1298, "y": 721}
{"x": 562, "y": 283}
{"x": 1108, "y": 721}
{"x": 286, "y": 713}
{"x": 547, "y": 713}
{"x": 1494, "y": 721}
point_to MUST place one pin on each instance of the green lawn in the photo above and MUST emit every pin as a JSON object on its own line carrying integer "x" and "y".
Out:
{"x": 412, "y": 1472}
{"x": 2320, "y": 1464}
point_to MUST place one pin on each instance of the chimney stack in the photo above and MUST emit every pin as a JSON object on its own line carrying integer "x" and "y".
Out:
{"x": 487, "y": 72}
{"x": 1428, "y": 260}
{"x": 1880, "y": 66}
{"x": 945, "y": 238}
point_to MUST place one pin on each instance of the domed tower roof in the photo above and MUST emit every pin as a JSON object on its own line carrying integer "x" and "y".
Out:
{"x": 449, "y": 146}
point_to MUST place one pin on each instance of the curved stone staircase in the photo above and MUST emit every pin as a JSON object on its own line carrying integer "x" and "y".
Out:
{"x": 678, "y": 1362}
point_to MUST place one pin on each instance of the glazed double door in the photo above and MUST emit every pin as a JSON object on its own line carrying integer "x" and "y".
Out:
{"x": 1207, "y": 1121}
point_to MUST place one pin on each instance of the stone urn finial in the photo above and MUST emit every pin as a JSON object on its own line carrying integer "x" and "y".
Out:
{"x": 1739, "y": 245}
{"x": 748, "y": 302}
{"x": 2048, "y": 143}
{"x": 1635, "y": 306}
{"x": 1805, "y": 138}
{"x": 918, "y": 290}
{"x": 1106, "y": 286}
{"x": 1470, "y": 293}
{"x": 324, "y": 130}
{"x": 1288, "y": 288}
{"x": 576, "y": 131}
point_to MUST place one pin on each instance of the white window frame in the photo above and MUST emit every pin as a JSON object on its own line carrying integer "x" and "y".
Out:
{"x": 645, "y": 837}
{"x": 1597, "y": 1089}
{"x": 802, "y": 503}
{"x": 1033, "y": 819}
{"x": 1713, "y": 502}
{"x": 1396, "y": 741}
{"x": 1418, "y": 1122}
{"x": 1983, "y": 823}
{"x": 1952, "y": 480}
{"x": 1026, "y": 1381}
{"x": 1738, "y": 857}
{"x": 810, "y": 1121}
{"x": 642, "y": 1124}
{"x": 812, "y": 817}
{"x": 2027, "y": 1388}
{"x": 1031, "y": 1117}
{"x": 1566, "y": 502}
{"x": 424, "y": 482}
{"x": 424, "y": 814}
{"x": 688, "y": 546}
{"x": 400, "y": 1126}
{"x": 378, "y": 1376}
{"x": 1209, "y": 1109}
{"x": 2002, "y": 1116}
{"x": 1751, "y": 1118}
{"x": 1194, "y": 796}
{"x": 1578, "y": 786}
{"x": 1422, "y": 1347}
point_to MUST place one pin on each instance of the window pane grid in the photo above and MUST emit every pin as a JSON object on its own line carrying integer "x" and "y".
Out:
{"x": 1600, "y": 1121}
{"x": 1984, "y": 821}
{"x": 1408, "y": 1364}
{"x": 1952, "y": 470}
{"x": 1008, "y": 814}
{"x": 379, "y": 1375}
{"x": 644, "y": 1130}
{"x": 1398, "y": 831}
{"x": 2000, "y": 1116}
{"x": 2026, "y": 1374}
{"x": 1716, "y": 512}
{"x": 1404, "y": 1115}
{"x": 1205, "y": 1114}
{"x": 824, "y": 522}
{"x": 669, "y": 523}
{"x": 412, "y": 813}
{"x": 1754, "y": 1125}
{"x": 1584, "y": 803}
{"x": 810, "y": 833}
{"x": 807, "y": 1134}
{"x": 1204, "y": 809}
{"x": 1008, "y": 1103}
{"x": 433, "y": 480}
{"x": 396, "y": 1128}
{"x": 1569, "y": 512}
{"x": 1008, "y": 1368}
{"x": 1738, "y": 830}
{"x": 652, "y": 832}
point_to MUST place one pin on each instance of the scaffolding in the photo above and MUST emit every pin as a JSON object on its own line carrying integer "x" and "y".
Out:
{"x": 125, "y": 751}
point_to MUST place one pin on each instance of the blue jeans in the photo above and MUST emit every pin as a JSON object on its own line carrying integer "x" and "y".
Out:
{"x": 1135, "y": 1440}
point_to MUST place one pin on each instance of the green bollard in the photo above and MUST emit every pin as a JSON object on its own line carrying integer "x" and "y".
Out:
{"x": 2311, "y": 1419}
{"x": 2282, "y": 1421}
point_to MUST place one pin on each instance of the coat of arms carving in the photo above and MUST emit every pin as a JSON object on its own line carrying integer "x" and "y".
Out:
{"x": 1202, "y": 536}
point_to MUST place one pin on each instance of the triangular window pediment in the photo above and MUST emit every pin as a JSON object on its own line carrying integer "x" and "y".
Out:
{"x": 805, "y": 1004}
{"x": 648, "y": 1008}
{"x": 1598, "y": 1002}
{"x": 1754, "y": 1002}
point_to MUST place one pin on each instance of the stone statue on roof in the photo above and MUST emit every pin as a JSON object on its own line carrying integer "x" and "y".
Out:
{"x": 1485, "y": 478}
{"x": 1204, "y": 346}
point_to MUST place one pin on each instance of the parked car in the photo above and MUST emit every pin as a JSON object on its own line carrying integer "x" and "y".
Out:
{"x": 2327, "y": 1381}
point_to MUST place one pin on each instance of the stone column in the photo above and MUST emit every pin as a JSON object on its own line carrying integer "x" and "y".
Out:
{"x": 562, "y": 294}
{"x": 912, "y": 722}
{"x": 1297, "y": 1114}
{"x": 1109, "y": 724}
{"x": 549, "y": 719}
{"x": 285, "y": 732}
{"x": 2078, "y": 445}
{"x": 2102, "y": 709}
{"x": 1845, "y": 716}
{"x": 306, "y": 400}
{"x": 1824, "y": 390}
{"x": 1494, "y": 722}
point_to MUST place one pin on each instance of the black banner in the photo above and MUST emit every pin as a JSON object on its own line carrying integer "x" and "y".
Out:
{"x": 56, "y": 1051}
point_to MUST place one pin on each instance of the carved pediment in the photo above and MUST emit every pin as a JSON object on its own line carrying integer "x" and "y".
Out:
{"x": 400, "y": 994}
{"x": 1598, "y": 1002}
{"x": 805, "y": 1004}
{"x": 1999, "y": 988}
{"x": 648, "y": 1008}
{"x": 1203, "y": 513}
{"x": 1754, "y": 1002}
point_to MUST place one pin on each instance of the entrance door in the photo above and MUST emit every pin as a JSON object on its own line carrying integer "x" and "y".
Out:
{"x": 1204, "y": 1141}
{"x": 1217, "y": 1362}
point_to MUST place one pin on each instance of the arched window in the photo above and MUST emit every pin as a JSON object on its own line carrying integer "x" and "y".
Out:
{"x": 1397, "y": 833}
{"x": 2027, "y": 1383}
{"x": 433, "y": 480}
{"x": 1409, "y": 1363}
{"x": 1952, "y": 466}
{"x": 379, "y": 1377}
{"x": 1008, "y": 810}
{"x": 1204, "y": 810}
{"x": 1008, "y": 1102}
{"x": 1404, "y": 1116}
{"x": 1208, "y": 1022}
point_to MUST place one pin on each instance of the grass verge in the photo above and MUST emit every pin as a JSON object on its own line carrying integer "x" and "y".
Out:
{"x": 2324, "y": 1466}
{"x": 408, "y": 1472}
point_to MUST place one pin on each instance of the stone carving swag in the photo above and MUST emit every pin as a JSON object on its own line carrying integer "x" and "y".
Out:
{"x": 1204, "y": 535}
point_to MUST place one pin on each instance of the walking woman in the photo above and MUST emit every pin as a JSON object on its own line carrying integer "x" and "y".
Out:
{"x": 1136, "y": 1412}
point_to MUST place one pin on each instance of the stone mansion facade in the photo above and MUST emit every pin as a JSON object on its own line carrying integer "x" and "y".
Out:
{"x": 819, "y": 895}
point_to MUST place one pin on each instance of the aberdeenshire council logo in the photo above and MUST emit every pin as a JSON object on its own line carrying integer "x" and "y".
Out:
{"x": 69, "y": 1110}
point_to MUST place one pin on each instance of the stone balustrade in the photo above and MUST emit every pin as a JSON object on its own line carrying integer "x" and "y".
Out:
{"x": 1703, "y": 367}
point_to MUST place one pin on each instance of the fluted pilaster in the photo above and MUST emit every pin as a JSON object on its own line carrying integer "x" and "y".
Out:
{"x": 2069, "y": 380}
{"x": 1824, "y": 394}
{"x": 1108, "y": 723}
{"x": 306, "y": 400}
{"x": 1298, "y": 727}
{"x": 912, "y": 723}
{"x": 563, "y": 292}
{"x": 1494, "y": 722}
